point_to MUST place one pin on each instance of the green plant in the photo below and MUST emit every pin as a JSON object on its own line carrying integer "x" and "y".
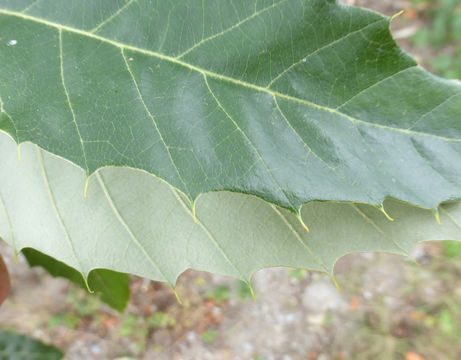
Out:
{"x": 219, "y": 295}
{"x": 15, "y": 346}
{"x": 137, "y": 328}
{"x": 67, "y": 319}
{"x": 160, "y": 319}
{"x": 444, "y": 33}
{"x": 243, "y": 290}
{"x": 452, "y": 249}
{"x": 132, "y": 325}
{"x": 209, "y": 336}
{"x": 110, "y": 285}
{"x": 266, "y": 136}
{"x": 297, "y": 274}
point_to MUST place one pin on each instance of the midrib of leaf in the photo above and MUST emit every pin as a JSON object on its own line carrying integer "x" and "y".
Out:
{"x": 74, "y": 119}
{"x": 219, "y": 76}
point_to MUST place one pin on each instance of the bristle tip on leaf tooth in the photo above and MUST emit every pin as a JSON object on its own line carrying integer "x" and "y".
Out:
{"x": 332, "y": 277}
{"x": 85, "y": 280}
{"x": 437, "y": 216}
{"x": 85, "y": 189}
{"x": 178, "y": 299}
{"x": 397, "y": 14}
{"x": 381, "y": 208}
{"x": 252, "y": 291}
{"x": 298, "y": 216}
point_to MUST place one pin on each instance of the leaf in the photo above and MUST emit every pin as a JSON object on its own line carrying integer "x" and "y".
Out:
{"x": 19, "y": 347}
{"x": 112, "y": 287}
{"x": 132, "y": 222}
{"x": 287, "y": 100}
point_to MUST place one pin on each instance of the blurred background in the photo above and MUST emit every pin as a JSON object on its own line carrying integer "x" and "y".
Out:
{"x": 389, "y": 307}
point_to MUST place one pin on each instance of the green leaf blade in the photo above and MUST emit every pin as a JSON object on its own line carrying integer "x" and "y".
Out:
{"x": 19, "y": 347}
{"x": 112, "y": 287}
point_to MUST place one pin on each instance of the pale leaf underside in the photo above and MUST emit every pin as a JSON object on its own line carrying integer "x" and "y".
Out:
{"x": 135, "y": 223}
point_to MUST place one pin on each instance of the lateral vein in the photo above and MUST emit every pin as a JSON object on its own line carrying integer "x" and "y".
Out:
{"x": 241, "y": 22}
{"x": 206, "y": 231}
{"x": 154, "y": 122}
{"x": 304, "y": 244}
{"x": 128, "y": 229}
{"x": 58, "y": 213}
{"x": 113, "y": 16}
{"x": 74, "y": 118}
{"x": 378, "y": 228}
{"x": 269, "y": 172}
{"x": 305, "y": 57}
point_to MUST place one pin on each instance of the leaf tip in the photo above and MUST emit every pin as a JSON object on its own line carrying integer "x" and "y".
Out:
{"x": 332, "y": 277}
{"x": 397, "y": 15}
{"x": 178, "y": 299}
{"x": 252, "y": 291}
{"x": 85, "y": 280}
